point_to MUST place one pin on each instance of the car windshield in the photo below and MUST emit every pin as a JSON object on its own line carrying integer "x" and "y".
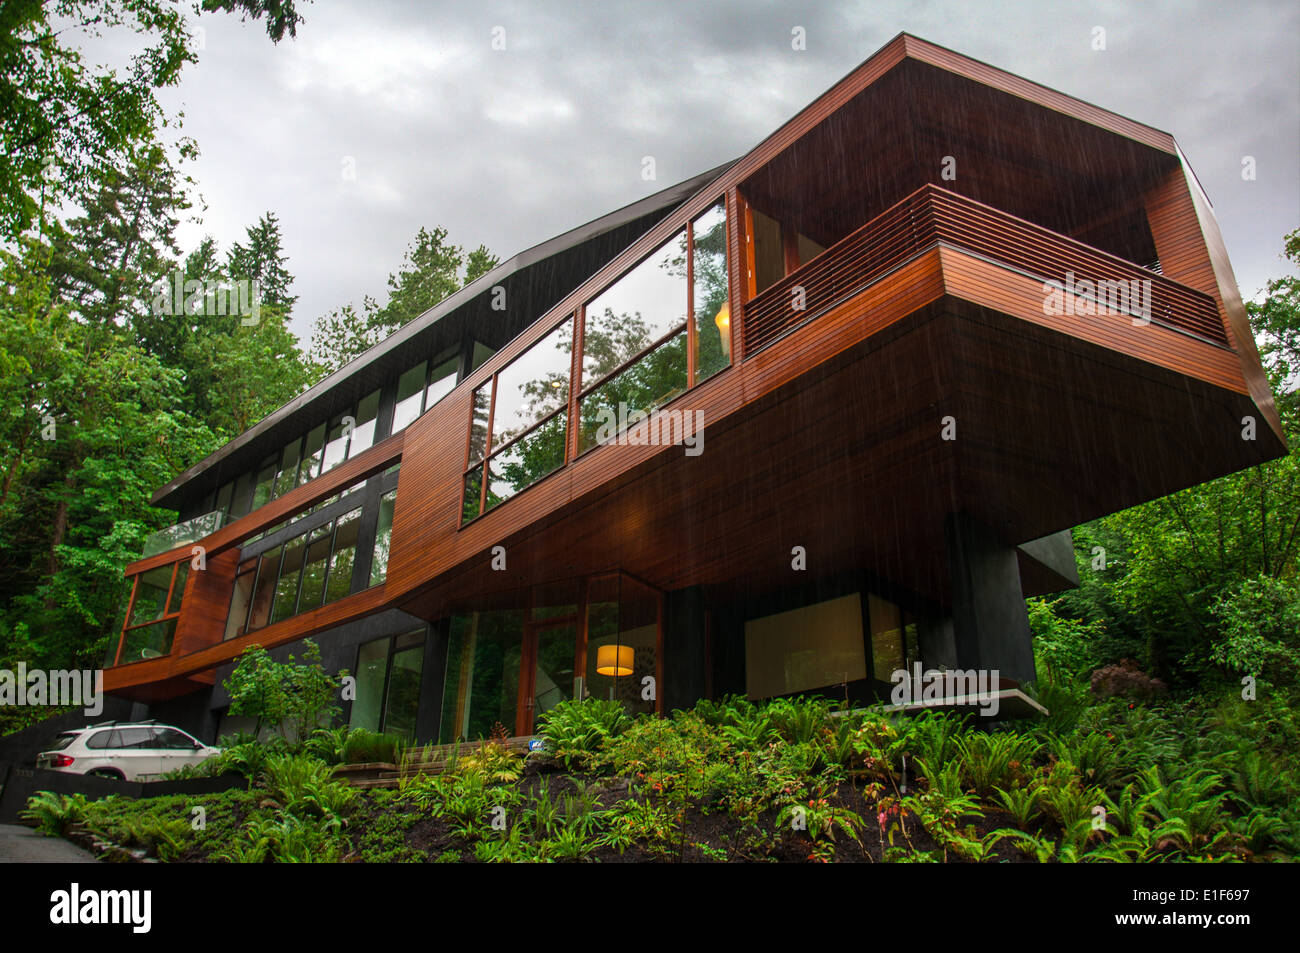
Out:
{"x": 62, "y": 741}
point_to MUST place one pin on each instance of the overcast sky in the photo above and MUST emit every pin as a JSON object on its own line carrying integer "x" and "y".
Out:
{"x": 509, "y": 147}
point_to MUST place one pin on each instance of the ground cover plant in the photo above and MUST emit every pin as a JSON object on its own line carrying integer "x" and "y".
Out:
{"x": 785, "y": 781}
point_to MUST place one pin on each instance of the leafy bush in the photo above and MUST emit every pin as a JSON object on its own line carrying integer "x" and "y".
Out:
{"x": 365, "y": 747}
{"x": 292, "y": 697}
{"x": 52, "y": 814}
{"x": 576, "y": 730}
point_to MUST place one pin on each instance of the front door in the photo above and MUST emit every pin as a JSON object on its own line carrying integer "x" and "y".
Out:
{"x": 549, "y": 669}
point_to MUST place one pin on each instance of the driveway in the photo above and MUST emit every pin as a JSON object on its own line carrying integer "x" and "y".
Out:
{"x": 22, "y": 845}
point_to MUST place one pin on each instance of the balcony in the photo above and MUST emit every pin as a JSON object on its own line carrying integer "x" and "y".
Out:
{"x": 932, "y": 217}
{"x": 183, "y": 534}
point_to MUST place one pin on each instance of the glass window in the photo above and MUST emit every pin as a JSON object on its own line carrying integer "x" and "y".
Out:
{"x": 268, "y": 570}
{"x": 135, "y": 738}
{"x": 336, "y": 446}
{"x": 410, "y": 393}
{"x": 481, "y": 685}
{"x": 363, "y": 434}
{"x": 313, "y": 572}
{"x": 633, "y": 393}
{"x": 151, "y": 595}
{"x": 239, "y": 600}
{"x": 286, "y": 589}
{"x": 478, "y": 426}
{"x": 178, "y": 587}
{"x": 173, "y": 739}
{"x": 265, "y": 480}
{"x": 622, "y": 641}
{"x": 442, "y": 379}
{"x": 148, "y": 641}
{"x": 286, "y": 477}
{"x": 709, "y": 273}
{"x": 527, "y": 460}
{"x": 403, "y": 701}
{"x": 808, "y": 249}
{"x": 383, "y": 536}
{"x": 886, "y": 638}
{"x": 810, "y": 647}
{"x": 313, "y": 449}
{"x": 533, "y": 385}
{"x": 637, "y": 310}
{"x": 242, "y": 496}
{"x": 481, "y": 353}
{"x": 223, "y": 497}
{"x": 98, "y": 740}
{"x": 339, "y": 582}
{"x": 372, "y": 666}
{"x": 473, "y": 494}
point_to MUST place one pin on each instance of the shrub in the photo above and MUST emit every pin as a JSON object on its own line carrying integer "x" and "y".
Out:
{"x": 363, "y": 747}
{"x": 53, "y": 813}
{"x": 576, "y": 730}
{"x": 292, "y": 697}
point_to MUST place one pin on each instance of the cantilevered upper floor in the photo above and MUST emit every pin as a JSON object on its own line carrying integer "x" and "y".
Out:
{"x": 939, "y": 288}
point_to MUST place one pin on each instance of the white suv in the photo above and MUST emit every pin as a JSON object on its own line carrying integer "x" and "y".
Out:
{"x": 139, "y": 751}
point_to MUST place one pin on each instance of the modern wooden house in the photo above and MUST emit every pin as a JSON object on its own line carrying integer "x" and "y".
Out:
{"x": 888, "y": 357}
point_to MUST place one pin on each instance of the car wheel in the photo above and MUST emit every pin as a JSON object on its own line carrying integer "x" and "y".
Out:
{"x": 106, "y": 773}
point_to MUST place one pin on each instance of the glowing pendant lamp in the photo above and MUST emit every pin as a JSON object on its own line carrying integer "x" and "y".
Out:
{"x": 614, "y": 660}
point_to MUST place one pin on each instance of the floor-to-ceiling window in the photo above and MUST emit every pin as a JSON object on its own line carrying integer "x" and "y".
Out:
{"x": 388, "y": 677}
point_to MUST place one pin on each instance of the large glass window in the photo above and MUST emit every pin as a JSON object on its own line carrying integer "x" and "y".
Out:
{"x": 533, "y": 386}
{"x": 709, "y": 287}
{"x": 265, "y": 480}
{"x": 633, "y": 393}
{"x": 638, "y": 309}
{"x": 388, "y": 684}
{"x": 313, "y": 450}
{"x": 147, "y": 632}
{"x": 363, "y": 433}
{"x": 481, "y": 687}
{"x": 339, "y": 582}
{"x": 639, "y": 346}
{"x": 526, "y": 402}
{"x": 622, "y": 642}
{"x": 239, "y": 601}
{"x": 372, "y": 669}
{"x": 442, "y": 378}
{"x": 410, "y": 396}
{"x": 286, "y": 589}
{"x": 888, "y": 651}
{"x": 286, "y": 478}
{"x": 383, "y": 536}
{"x": 313, "y": 569}
{"x": 810, "y": 647}
{"x": 268, "y": 571}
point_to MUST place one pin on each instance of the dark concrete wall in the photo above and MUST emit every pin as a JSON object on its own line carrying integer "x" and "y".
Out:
{"x": 684, "y": 656}
{"x": 990, "y": 621}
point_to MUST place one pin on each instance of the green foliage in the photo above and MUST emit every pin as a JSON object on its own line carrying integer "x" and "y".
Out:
{"x": 52, "y": 814}
{"x": 292, "y": 697}
{"x": 362, "y": 746}
{"x": 574, "y": 731}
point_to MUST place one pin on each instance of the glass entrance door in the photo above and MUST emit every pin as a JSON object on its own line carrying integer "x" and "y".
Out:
{"x": 550, "y": 654}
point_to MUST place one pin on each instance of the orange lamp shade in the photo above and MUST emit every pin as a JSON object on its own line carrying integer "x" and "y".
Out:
{"x": 723, "y": 319}
{"x": 614, "y": 660}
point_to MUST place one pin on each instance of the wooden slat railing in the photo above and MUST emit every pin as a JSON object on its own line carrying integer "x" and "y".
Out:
{"x": 931, "y": 216}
